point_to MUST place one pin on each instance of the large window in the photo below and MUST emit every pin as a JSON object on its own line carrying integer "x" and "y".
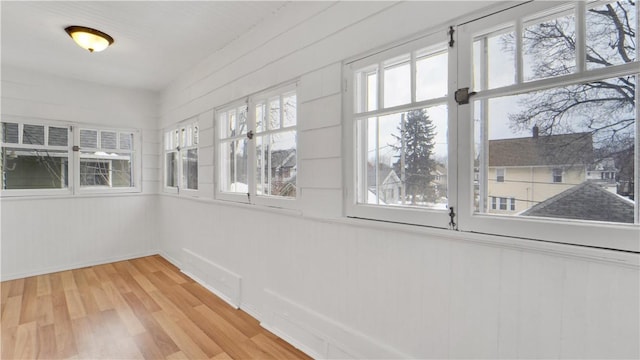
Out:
{"x": 47, "y": 158}
{"x": 554, "y": 103}
{"x": 400, "y": 124}
{"x": 181, "y": 158}
{"x": 257, "y": 147}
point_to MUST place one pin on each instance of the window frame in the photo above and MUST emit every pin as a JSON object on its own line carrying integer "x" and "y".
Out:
{"x": 461, "y": 140}
{"x": 69, "y": 189}
{"x": 175, "y": 132}
{"x": 250, "y": 104}
{"x": 432, "y": 41}
{"x": 567, "y": 231}
{"x": 135, "y": 153}
{"x": 74, "y": 158}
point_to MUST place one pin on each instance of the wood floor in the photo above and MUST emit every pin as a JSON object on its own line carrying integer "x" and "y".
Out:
{"x": 137, "y": 309}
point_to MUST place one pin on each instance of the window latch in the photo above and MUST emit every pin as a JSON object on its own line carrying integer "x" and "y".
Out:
{"x": 75, "y": 148}
{"x": 452, "y": 222}
{"x": 250, "y": 134}
{"x": 462, "y": 95}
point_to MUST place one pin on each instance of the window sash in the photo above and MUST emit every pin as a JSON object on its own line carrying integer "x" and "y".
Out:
{"x": 181, "y": 142}
{"x": 588, "y": 233}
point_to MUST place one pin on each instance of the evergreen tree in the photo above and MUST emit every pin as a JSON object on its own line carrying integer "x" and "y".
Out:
{"x": 417, "y": 142}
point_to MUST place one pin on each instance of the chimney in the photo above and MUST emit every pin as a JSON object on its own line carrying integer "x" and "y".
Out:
{"x": 536, "y": 131}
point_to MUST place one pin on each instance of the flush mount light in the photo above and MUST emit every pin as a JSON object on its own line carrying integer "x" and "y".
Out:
{"x": 88, "y": 38}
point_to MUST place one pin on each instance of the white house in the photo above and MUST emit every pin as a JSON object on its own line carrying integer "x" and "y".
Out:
{"x": 319, "y": 267}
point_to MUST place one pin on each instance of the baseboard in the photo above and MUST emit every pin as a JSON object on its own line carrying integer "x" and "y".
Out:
{"x": 73, "y": 266}
{"x": 214, "y": 277}
{"x": 320, "y": 336}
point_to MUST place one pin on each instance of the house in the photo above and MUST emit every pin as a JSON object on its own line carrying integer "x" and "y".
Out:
{"x": 384, "y": 184}
{"x": 317, "y": 267}
{"x": 523, "y": 172}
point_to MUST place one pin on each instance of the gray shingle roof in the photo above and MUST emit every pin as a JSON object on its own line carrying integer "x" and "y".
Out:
{"x": 567, "y": 149}
{"x": 587, "y": 201}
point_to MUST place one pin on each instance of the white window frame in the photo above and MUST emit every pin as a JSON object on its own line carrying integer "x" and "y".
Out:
{"x": 73, "y": 176}
{"x": 70, "y": 156}
{"x": 504, "y": 174}
{"x": 178, "y": 140}
{"x": 250, "y": 104}
{"x": 376, "y": 62}
{"x": 462, "y": 136}
{"x": 135, "y": 153}
{"x": 577, "y": 232}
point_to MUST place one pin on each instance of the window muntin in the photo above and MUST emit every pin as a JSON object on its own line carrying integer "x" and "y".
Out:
{"x": 35, "y": 157}
{"x": 257, "y": 149}
{"x": 181, "y": 157}
{"x": 105, "y": 160}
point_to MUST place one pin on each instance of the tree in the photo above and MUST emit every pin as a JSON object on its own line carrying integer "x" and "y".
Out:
{"x": 605, "y": 108}
{"x": 415, "y": 144}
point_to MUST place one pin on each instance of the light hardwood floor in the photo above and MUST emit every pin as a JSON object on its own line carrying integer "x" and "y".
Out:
{"x": 141, "y": 308}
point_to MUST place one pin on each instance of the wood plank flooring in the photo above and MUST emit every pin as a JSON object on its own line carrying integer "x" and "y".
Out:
{"x": 138, "y": 309}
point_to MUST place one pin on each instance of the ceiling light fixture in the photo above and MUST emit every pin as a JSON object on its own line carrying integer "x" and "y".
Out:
{"x": 88, "y": 38}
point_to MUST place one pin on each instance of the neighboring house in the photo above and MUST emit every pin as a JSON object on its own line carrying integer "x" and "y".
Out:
{"x": 604, "y": 173}
{"x": 523, "y": 172}
{"x": 439, "y": 182}
{"x": 587, "y": 201}
{"x": 283, "y": 164}
{"x": 384, "y": 184}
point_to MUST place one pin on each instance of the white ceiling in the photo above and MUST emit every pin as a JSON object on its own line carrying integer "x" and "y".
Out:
{"x": 155, "y": 41}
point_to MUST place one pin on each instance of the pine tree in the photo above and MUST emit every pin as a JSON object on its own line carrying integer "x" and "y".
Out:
{"x": 417, "y": 142}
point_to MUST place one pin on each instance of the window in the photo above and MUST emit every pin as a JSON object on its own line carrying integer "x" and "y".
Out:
{"x": 400, "y": 127}
{"x": 181, "y": 158}
{"x": 257, "y": 148}
{"x": 554, "y": 94}
{"x": 557, "y": 175}
{"x": 107, "y": 159}
{"x": 37, "y": 159}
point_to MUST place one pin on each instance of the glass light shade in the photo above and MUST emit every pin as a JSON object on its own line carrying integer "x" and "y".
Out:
{"x": 90, "y": 39}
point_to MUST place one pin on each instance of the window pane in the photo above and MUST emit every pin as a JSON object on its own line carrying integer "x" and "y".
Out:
{"x": 274, "y": 113}
{"x": 494, "y": 60}
{"x": 549, "y": 47}
{"x": 126, "y": 141}
{"x": 260, "y": 112}
{"x": 290, "y": 114}
{"x": 34, "y": 169}
{"x": 171, "y": 165}
{"x": 99, "y": 169}
{"x": 33, "y": 134}
{"x": 610, "y": 28}
{"x": 556, "y": 144}
{"x": 10, "y": 133}
{"x": 406, "y": 160}
{"x": 58, "y": 136}
{"x": 190, "y": 168}
{"x": 276, "y": 164}
{"x": 372, "y": 91}
{"x": 397, "y": 84}
{"x": 108, "y": 139}
{"x": 233, "y": 166}
{"x": 431, "y": 77}
{"x": 89, "y": 139}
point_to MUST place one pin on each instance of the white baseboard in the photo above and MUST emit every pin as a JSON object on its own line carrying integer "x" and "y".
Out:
{"x": 215, "y": 278}
{"x": 77, "y": 265}
{"x": 319, "y": 336}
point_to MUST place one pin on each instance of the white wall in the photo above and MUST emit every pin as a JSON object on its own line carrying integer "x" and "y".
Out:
{"x": 340, "y": 287}
{"x": 68, "y": 232}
